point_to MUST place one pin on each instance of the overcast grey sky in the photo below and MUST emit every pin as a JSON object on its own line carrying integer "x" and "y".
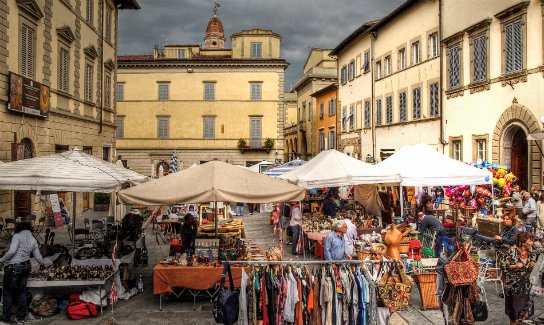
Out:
{"x": 301, "y": 23}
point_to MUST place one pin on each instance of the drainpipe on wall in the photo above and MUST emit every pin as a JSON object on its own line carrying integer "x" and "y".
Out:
{"x": 103, "y": 3}
{"x": 440, "y": 97}
{"x": 373, "y": 35}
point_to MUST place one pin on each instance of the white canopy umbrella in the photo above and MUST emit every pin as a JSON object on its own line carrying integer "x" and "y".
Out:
{"x": 70, "y": 171}
{"x": 282, "y": 169}
{"x": 332, "y": 168}
{"x": 421, "y": 165}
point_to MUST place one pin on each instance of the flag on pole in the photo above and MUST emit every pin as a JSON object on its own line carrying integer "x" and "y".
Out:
{"x": 174, "y": 165}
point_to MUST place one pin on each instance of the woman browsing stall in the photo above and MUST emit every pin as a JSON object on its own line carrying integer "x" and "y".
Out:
{"x": 517, "y": 264}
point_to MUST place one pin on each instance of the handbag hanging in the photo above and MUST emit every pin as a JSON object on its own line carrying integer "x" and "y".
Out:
{"x": 480, "y": 309}
{"x": 462, "y": 272}
{"x": 226, "y": 301}
{"x": 394, "y": 287}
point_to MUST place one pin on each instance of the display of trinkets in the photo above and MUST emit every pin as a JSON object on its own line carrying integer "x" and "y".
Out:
{"x": 316, "y": 222}
{"x": 88, "y": 252}
{"x": 74, "y": 273}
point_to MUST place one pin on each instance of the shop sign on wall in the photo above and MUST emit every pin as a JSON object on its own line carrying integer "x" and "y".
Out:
{"x": 28, "y": 96}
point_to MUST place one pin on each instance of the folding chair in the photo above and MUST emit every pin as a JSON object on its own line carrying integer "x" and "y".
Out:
{"x": 489, "y": 268}
{"x": 38, "y": 228}
{"x": 9, "y": 227}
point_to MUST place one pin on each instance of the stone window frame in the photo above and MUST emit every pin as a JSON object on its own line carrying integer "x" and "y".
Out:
{"x": 26, "y": 20}
{"x": 344, "y": 119}
{"x": 378, "y": 122}
{"x": 431, "y": 32}
{"x": 405, "y": 92}
{"x": 205, "y": 118}
{"x": 378, "y": 69}
{"x": 387, "y": 64}
{"x": 419, "y": 86}
{"x": 120, "y": 127}
{"x": 413, "y": 41}
{"x": 159, "y": 119}
{"x": 343, "y": 74}
{"x": 88, "y": 81}
{"x": 258, "y": 94}
{"x": 161, "y": 85}
{"x": 332, "y": 130}
{"x": 351, "y": 70}
{"x": 389, "y": 114}
{"x": 480, "y": 29}
{"x": 256, "y": 50}
{"x": 507, "y": 16}
{"x": 456, "y": 40}
{"x": 404, "y": 65}
{"x": 120, "y": 95}
{"x": 367, "y": 107}
{"x": 89, "y": 12}
{"x": 358, "y": 65}
{"x": 209, "y": 96}
{"x": 65, "y": 39}
{"x": 431, "y": 82}
{"x": 351, "y": 116}
{"x": 366, "y": 61}
{"x": 108, "y": 24}
{"x": 321, "y": 144}
{"x": 475, "y": 139}
{"x": 452, "y": 141}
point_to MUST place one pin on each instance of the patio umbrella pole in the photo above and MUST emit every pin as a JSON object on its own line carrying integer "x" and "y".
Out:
{"x": 401, "y": 201}
{"x": 74, "y": 204}
{"x": 302, "y": 232}
{"x": 215, "y": 218}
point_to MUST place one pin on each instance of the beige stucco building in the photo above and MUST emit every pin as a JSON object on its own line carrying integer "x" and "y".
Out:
{"x": 291, "y": 127}
{"x": 355, "y": 93}
{"x": 493, "y": 69}
{"x": 66, "y": 50}
{"x": 406, "y": 71}
{"x": 207, "y": 102}
{"x": 319, "y": 72}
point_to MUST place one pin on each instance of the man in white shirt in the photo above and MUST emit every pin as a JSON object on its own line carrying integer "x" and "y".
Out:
{"x": 529, "y": 210}
{"x": 351, "y": 233}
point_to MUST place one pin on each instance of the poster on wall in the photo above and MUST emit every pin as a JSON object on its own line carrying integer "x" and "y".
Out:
{"x": 55, "y": 206}
{"x": 28, "y": 96}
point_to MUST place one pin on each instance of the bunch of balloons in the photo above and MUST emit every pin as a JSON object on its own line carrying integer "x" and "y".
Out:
{"x": 503, "y": 178}
{"x": 478, "y": 197}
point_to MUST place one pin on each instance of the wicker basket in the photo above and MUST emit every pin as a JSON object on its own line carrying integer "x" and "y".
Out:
{"x": 426, "y": 284}
{"x": 362, "y": 254}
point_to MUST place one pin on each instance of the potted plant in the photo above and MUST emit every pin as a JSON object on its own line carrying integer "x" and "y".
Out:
{"x": 242, "y": 143}
{"x": 101, "y": 201}
{"x": 269, "y": 143}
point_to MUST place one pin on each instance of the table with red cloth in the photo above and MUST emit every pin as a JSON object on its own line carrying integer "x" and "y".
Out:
{"x": 316, "y": 240}
{"x": 195, "y": 280}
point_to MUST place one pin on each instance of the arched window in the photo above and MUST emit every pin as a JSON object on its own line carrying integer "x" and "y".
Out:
{"x": 28, "y": 148}
{"x": 165, "y": 168}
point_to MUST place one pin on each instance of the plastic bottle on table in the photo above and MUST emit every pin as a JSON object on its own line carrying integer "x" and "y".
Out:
{"x": 140, "y": 284}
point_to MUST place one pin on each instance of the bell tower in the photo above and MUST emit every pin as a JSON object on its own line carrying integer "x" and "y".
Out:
{"x": 215, "y": 34}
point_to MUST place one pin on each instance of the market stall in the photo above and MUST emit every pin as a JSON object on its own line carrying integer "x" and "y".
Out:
{"x": 214, "y": 181}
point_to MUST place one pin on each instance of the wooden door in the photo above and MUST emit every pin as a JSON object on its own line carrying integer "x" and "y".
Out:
{"x": 520, "y": 158}
{"x": 23, "y": 203}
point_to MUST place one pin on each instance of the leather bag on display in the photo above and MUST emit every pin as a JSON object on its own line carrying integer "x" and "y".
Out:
{"x": 462, "y": 269}
{"x": 394, "y": 287}
{"x": 226, "y": 301}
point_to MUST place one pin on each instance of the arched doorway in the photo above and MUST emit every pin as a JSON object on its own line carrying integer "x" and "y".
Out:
{"x": 516, "y": 153}
{"x": 23, "y": 199}
{"x": 165, "y": 168}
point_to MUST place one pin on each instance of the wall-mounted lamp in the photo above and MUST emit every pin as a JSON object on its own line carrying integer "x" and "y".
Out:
{"x": 369, "y": 159}
{"x": 189, "y": 70}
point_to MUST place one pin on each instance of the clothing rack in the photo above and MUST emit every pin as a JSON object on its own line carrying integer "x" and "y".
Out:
{"x": 373, "y": 306}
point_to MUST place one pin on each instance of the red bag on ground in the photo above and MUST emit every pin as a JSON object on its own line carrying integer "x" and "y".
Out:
{"x": 81, "y": 309}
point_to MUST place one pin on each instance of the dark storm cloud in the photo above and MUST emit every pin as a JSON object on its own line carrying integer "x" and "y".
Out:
{"x": 301, "y": 23}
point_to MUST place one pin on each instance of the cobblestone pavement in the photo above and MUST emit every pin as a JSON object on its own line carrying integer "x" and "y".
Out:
{"x": 144, "y": 308}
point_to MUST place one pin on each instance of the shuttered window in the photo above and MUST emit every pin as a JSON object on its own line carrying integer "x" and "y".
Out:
{"x": 351, "y": 71}
{"x": 120, "y": 92}
{"x": 209, "y": 91}
{"x": 378, "y": 112}
{"x": 107, "y": 91}
{"x": 255, "y": 132}
{"x": 63, "y": 69}
{"x": 27, "y": 51}
{"x": 416, "y": 98}
{"x": 366, "y": 65}
{"x": 479, "y": 58}
{"x": 332, "y": 107}
{"x": 454, "y": 66}
{"x": 352, "y": 117}
{"x": 416, "y": 53}
{"x": 343, "y": 75}
{"x": 163, "y": 127}
{"x": 256, "y": 50}
{"x": 256, "y": 91}
{"x": 513, "y": 47}
{"x": 367, "y": 115}
{"x": 403, "y": 114}
{"x": 88, "y": 82}
{"x": 434, "y": 108}
{"x": 90, "y": 11}
{"x": 389, "y": 110}
{"x": 344, "y": 121}
{"x": 321, "y": 142}
{"x": 119, "y": 127}
{"x": 108, "y": 24}
{"x": 321, "y": 110}
{"x": 209, "y": 127}
{"x": 164, "y": 91}
{"x": 332, "y": 139}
